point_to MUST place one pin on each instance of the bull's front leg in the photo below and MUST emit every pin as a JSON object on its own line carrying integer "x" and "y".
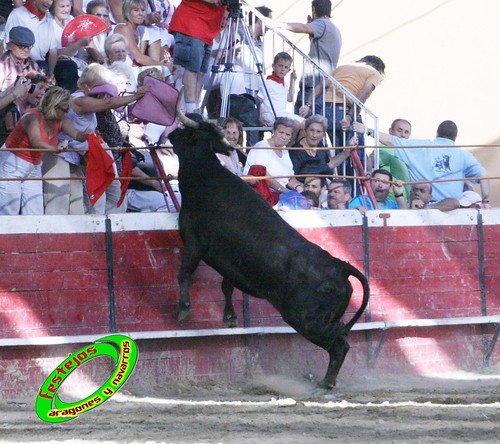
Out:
{"x": 229, "y": 320}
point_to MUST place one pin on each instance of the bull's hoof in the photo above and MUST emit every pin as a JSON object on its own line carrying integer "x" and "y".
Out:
{"x": 184, "y": 312}
{"x": 230, "y": 321}
{"x": 327, "y": 385}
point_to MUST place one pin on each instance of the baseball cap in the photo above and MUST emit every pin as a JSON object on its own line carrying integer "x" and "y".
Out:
{"x": 469, "y": 198}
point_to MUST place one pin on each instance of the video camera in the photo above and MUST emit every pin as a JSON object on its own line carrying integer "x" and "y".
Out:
{"x": 233, "y": 6}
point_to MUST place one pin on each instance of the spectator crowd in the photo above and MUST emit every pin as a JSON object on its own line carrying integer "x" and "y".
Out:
{"x": 62, "y": 93}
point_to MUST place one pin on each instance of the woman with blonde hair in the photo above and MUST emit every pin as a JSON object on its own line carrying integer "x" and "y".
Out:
{"x": 37, "y": 128}
{"x": 96, "y": 94}
{"x": 144, "y": 43}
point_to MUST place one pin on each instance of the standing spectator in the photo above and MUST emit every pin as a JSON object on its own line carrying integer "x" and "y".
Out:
{"x": 67, "y": 197}
{"x": 25, "y": 95}
{"x": 246, "y": 58}
{"x": 195, "y": 24}
{"x": 279, "y": 94}
{"x": 360, "y": 79}
{"x": 275, "y": 159}
{"x": 325, "y": 45}
{"x": 380, "y": 182}
{"x": 38, "y": 128}
{"x": 16, "y": 60}
{"x": 35, "y": 16}
{"x": 387, "y": 160}
{"x": 448, "y": 162}
{"x": 66, "y": 70}
{"x": 339, "y": 194}
{"x": 310, "y": 160}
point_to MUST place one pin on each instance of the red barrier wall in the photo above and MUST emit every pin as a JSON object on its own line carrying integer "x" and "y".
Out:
{"x": 421, "y": 265}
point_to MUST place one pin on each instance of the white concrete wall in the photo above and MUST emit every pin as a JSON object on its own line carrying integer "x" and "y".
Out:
{"x": 442, "y": 62}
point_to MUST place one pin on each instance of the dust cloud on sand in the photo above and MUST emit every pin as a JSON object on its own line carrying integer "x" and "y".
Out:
{"x": 454, "y": 408}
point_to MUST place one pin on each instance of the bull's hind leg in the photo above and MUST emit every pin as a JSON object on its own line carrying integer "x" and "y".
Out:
{"x": 190, "y": 261}
{"x": 229, "y": 320}
{"x": 337, "y": 351}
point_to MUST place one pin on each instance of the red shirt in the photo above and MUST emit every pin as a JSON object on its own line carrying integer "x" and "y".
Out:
{"x": 19, "y": 139}
{"x": 198, "y": 19}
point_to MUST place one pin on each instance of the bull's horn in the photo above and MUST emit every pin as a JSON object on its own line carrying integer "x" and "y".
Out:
{"x": 180, "y": 114}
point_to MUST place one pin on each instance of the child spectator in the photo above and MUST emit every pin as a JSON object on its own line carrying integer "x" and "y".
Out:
{"x": 279, "y": 94}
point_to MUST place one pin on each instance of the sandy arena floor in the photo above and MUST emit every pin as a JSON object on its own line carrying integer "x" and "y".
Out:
{"x": 456, "y": 408}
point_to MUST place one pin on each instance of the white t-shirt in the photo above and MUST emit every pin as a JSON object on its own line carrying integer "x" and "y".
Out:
{"x": 275, "y": 165}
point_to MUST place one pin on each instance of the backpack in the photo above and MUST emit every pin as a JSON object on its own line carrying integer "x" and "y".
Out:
{"x": 245, "y": 108}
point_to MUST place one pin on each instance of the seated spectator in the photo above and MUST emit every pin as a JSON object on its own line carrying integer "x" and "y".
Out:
{"x": 311, "y": 160}
{"x": 16, "y": 60}
{"x": 26, "y": 95}
{"x": 99, "y": 8}
{"x": 142, "y": 52}
{"x": 67, "y": 197}
{"x": 115, "y": 47}
{"x": 144, "y": 194}
{"x": 275, "y": 160}
{"x": 444, "y": 162}
{"x": 312, "y": 198}
{"x": 38, "y": 128}
{"x": 421, "y": 197}
{"x": 233, "y": 132}
{"x": 380, "y": 183}
{"x": 275, "y": 105}
{"x": 35, "y": 16}
{"x": 316, "y": 185}
{"x": 339, "y": 194}
{"x": 292, "y": 200}
{"x": 68, "y": 63}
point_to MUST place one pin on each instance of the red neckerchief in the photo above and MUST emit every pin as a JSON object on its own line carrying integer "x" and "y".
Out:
{"x": 31, "y": 8}
{"x": 276, "y": 78}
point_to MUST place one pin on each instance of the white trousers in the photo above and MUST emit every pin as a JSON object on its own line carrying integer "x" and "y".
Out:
{"x": 19, "y": 196}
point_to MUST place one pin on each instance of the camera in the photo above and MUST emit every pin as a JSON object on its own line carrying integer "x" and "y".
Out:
{"x": 36, "y": 78}
{"x": 233, "y": 5}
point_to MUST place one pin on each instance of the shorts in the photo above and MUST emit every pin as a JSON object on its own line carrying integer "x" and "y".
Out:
{"x": 191, "y": 53}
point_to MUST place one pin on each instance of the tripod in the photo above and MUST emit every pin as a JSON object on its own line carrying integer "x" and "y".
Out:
{"x": 224, "y": 62}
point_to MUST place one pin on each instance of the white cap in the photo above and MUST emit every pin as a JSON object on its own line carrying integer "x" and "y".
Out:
{"x": 469, "y": 198}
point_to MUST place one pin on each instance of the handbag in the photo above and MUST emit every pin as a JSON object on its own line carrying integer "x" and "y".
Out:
{"x": 158, "y": 105}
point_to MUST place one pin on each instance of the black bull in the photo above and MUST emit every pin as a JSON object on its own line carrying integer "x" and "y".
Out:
{"x": 225, "y": 223}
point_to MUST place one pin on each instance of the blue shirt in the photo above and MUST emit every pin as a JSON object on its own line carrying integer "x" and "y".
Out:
{"x": 438, "y": 163}
{"x": 358, "y": 201}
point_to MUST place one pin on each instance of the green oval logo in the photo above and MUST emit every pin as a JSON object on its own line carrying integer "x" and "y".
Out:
{"x": 121, "y": 349}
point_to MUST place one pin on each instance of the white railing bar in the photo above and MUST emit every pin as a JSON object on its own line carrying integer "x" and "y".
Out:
{"x": 196, "y": 333}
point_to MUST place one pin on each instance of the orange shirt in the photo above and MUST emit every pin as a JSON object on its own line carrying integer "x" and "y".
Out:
{"x": 19, "y": 139}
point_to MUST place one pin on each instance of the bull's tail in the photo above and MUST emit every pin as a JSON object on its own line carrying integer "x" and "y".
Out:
{"x": 353, "y": 271}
